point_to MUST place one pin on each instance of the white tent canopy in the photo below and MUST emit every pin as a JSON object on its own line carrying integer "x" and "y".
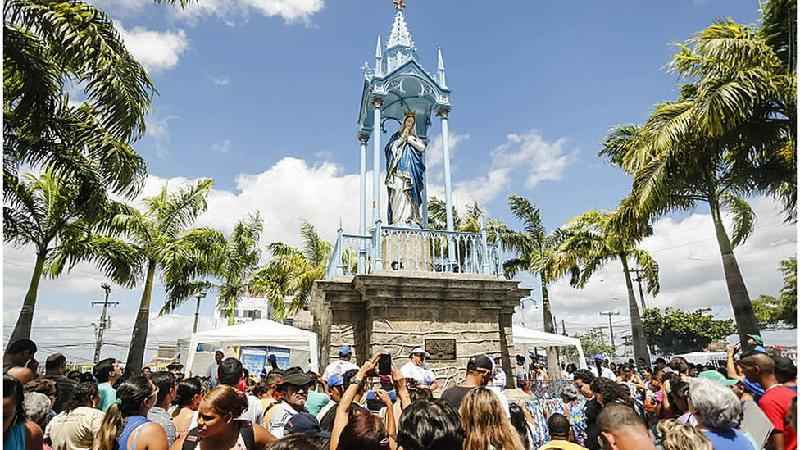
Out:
{"x": 256, "y": 333}
{"x": 703, "y": 357}
{"x": 526, "y": 336}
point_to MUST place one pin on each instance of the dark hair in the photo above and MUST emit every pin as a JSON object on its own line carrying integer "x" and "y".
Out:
{"x": 600, "y": 384}
{"x": 584, "y": 375}
{"x": 164, "y": 381}
{"x": 230, "y": 371}
{"x": 131, "y": 394}
{"x": 679, "y": 364}
{"x": 614, "y": 392}
{"x": 364, "y": 431}
{"x": 103, "y": 369}
{"x": 785, "y": 370}
{"x": 13, "y": 388}
{"x": 82, "y": 395}
{"x": 55, "y": 361}
{"x": 185, "y": 392}
{"x": 21, "y": 345}
{"x": 300, "y": 441}
{"x": 348, "y": 376}
{"x": 430, "y": 425}
{"x": 558, "y": 425}
{"x": 260, "y": 389}
{"x": 519, "y": 423}
{"x": 87, "y": 377}
{"x": 74, "y": 375}
{"x": 420, "y": 394}
{"x": 678, "y": 390}
{"x": 43, "y": 386}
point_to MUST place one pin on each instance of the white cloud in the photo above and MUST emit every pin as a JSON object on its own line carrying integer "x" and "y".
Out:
{"x": 544, "y": 161}
{"x": 690, "y": 271}
{"x": 220, "y": 80}
{"x": 227, "y": 10}
{"x": 155, "y": 50}
{"x": 157, "y": 128}
{"x": 222, "y": 147}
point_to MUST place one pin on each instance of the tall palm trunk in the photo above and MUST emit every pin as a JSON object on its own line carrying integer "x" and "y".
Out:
{"x": 737, "y": 290}
{"x": 553, "y": 371}
{"x": 133, "y": 366}
{"x": 22, "y": 330}
{"x": 637, "y": 329}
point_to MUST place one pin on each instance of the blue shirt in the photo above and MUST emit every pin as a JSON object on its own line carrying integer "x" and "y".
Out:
{"x": 729, "y": 440}
{"x": 108, "y": 396}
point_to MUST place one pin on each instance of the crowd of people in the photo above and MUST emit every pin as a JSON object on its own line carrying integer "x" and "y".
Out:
{"x": 748, "y": 405}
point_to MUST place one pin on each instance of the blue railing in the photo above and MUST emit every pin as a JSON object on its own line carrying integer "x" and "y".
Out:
{"x": 393, "y": 249}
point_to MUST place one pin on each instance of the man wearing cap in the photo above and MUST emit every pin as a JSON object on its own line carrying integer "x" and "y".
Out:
{"x": 479, "y": 374}
{"x": 341, "y": 366}
{"x": 213, "y": 369}
{"x": 295, "y": 392}
{"x": 304, "y": 423}
{"x": 335, "y": 390}
{"x": 415, "y": 370}
{"x": 55, "y": 366}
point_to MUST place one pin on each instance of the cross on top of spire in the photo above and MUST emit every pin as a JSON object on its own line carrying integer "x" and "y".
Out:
{"x": 399, "y": 4}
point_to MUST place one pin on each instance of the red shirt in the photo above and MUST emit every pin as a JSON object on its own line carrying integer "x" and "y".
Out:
{"x": 776, "y": 403}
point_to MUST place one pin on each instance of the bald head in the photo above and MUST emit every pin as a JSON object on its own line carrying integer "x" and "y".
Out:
{"x": 622, "y": 429}
{"x": 759, "y": 367}
{"x": 22, "y": 374}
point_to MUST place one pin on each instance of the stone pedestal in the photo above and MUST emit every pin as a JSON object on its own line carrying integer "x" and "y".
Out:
{"x": 395, "y": 312}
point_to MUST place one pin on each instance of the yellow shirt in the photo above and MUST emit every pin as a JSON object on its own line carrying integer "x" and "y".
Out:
{"x": 562, "y": 445}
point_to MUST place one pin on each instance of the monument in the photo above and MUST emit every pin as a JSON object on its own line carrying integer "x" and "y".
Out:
{"x": 398, "y": 284}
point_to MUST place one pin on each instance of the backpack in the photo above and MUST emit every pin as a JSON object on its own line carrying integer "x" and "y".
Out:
{"x": 246, "y": 432}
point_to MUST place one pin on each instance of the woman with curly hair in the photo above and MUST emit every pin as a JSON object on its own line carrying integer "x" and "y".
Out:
{"x": 485, "y": 423}
{"x": 677, "y": 436}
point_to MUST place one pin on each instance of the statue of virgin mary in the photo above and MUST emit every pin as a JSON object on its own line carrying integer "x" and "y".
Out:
{"x": 405, "y": 174}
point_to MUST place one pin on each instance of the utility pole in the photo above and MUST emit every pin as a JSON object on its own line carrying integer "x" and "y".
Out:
{"x": 638, "y": 280}
{"x": 200, "y": 295}
{"x": 105, "y": 321}
{"x": 610, "y": 326}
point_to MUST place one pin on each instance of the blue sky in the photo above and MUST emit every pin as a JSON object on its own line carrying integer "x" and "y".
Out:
{"x": 263, "y": 95}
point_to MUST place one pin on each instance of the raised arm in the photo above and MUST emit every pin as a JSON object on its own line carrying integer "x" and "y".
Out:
{"x": 347, "y": 399}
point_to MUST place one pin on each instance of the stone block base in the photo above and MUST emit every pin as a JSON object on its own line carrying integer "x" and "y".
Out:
{"x": 395, "y": 312}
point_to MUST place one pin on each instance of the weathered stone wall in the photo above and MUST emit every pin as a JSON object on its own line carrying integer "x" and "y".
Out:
{"x": 395, "y": 312}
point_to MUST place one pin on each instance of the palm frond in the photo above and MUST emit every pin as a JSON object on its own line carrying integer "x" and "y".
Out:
{"x": 743, "y": 218}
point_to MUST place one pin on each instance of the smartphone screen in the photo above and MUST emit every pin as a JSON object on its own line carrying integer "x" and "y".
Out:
{"x": 385, "y": 364}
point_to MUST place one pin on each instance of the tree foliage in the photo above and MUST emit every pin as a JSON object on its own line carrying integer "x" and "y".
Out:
{"x": 780, "y": 310}
{"x": 675, "y": 331}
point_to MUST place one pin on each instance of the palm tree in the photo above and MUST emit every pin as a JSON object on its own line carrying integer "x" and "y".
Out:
{"x": 291, "y": 272}
{"x": 159, "y": 239}
{"x": 536, "y": 253}
{"x": 589, "y": 242}
{"x": 700, "y": 171}
{"x": 235, "y": 259}
{"x": 743, "y": 92}
{"x": 46, "y": 46}
{"x": 53, "y": 213}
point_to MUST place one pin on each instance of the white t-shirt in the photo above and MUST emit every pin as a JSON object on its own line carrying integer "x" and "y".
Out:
{"x": 338, "y": 367}
{"x": 607, "y": 373}
{"x": 280, "y": 418}
{"x": 499, "y": 379}
{"x": 213, "y": 373}
{"x": 422, "y": 375}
